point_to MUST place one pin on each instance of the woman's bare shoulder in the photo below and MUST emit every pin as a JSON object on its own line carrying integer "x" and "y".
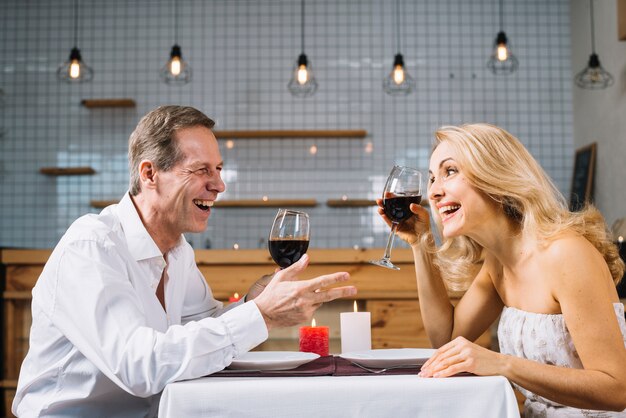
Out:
{"x": 574, "y": 259}
{"x": 567, "y": 245}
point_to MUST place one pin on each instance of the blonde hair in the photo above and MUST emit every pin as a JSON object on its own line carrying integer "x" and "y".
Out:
{"x": 153, "y": 139}
{"x": 497, "y": 164}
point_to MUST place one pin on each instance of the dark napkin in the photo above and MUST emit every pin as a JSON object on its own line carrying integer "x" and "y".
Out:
{"x": 323, "y": 366}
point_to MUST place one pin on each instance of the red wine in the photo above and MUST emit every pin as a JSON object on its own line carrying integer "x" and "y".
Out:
{"x": 287, "y": 251}
{"x": 397, "y": 207}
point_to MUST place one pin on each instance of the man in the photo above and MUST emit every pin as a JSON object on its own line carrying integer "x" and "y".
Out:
{"x": 121, "y": 309}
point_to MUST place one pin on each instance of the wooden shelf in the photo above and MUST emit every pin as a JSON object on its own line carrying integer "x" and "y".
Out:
{"x": 262, "y": 203}
{"x": 243, "y": 203}
{"x": 67, "y": 171}
{"x": 10, "y": 384}
{"x": 101, "y": 204}
{"x": 17, "y": 295}
{"x": 358, "y": 133}
{"x": 99, "y": 103}
{"x": 274, "y": 203}
{"x": 356, "y": 203}
{"x": 350, "y": 203}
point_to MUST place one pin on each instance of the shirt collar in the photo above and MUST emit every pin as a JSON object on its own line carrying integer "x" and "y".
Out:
{"x": 140, "y": 243}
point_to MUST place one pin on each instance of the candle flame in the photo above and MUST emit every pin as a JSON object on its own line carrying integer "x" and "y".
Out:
{"x": 355, "y": 307}
{"x": 313, "y": 322}
{"x": 620, "y": 239}
{"x": 236, "y": 295}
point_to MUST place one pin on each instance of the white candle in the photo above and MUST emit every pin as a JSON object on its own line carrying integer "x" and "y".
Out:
{"x": 356, "y": 331}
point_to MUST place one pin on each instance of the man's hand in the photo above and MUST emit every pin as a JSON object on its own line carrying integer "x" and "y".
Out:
{"x": 287, "y": 301}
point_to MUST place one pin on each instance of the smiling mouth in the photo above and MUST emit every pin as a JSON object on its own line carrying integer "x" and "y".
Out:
{"x": 205, "y": 205}
{"x": 448, "y": 211}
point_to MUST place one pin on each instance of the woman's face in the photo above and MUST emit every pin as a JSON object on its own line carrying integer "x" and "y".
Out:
{"x": 460, "y": 208}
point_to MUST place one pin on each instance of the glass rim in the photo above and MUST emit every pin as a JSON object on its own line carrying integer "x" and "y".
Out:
{"x": 292, "y": 211}
{"x": 406, "y": 167}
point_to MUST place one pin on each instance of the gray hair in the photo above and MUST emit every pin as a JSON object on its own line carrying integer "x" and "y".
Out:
{"x": 153, "y": 139}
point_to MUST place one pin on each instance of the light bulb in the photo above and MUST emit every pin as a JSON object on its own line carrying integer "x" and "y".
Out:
{"x": 594, "y": 76}
{"x": 398, "y": 74}
{"x": 75, "y": 69}
{"x": 302, "y": 83}
{"x": 503, "y": 52}
{"x": 398, "y": 82}
{"x": 303, "y": 74}
{"x": 175, "y": 66}
{"x": 176, "y": 71}
{"x": 502, "y": 60}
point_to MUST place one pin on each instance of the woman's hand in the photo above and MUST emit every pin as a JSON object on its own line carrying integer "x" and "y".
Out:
{"x": 411, "y": 229}
{"x": 461, "y": 355}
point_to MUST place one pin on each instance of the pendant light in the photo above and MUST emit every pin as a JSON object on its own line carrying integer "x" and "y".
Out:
{"x": 176, "y": 71}
{"x": 398, "y": 82}
{"x": 302, "y": 83}
{"x": 74, "y": 70}
{"x": 502, "y": 61}
{"x": 593, "y": 77}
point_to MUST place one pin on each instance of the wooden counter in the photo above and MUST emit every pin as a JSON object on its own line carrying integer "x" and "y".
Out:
{"x": 390, "y": 296}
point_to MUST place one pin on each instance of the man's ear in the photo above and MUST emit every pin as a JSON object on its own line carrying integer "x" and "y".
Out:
{"x": 147, "y": 174}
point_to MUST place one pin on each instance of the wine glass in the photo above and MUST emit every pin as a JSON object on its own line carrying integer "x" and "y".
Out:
{"x": 403, "y": 187}
{"x": 289, "y": 237}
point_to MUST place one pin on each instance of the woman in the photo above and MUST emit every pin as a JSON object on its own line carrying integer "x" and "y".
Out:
{"x": 549, "y": 274}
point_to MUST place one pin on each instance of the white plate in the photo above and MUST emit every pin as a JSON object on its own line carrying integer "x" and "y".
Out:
{"x": 271, "y": 360}
{"x": 390, "y": 357}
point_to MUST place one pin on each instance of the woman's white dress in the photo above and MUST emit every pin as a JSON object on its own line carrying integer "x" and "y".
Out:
{"x": 545, "y": 338}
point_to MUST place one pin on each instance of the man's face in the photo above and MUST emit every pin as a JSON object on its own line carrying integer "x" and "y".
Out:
{"x": 187, "y": 191}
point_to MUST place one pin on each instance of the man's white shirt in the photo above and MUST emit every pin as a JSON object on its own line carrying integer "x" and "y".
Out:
{"x": 101, "y": 343}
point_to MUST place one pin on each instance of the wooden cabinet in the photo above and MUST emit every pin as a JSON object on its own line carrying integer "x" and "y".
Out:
{"x": 390, "y": 296}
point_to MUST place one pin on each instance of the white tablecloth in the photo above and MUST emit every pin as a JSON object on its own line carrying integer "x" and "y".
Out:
{"x": 341, "y": 397}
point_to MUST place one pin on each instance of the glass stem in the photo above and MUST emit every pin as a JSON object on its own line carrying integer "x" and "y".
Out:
{"x": 392, "y": 235}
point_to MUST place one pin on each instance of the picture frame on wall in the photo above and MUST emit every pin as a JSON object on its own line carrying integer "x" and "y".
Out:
{"x": 582, "y": 179}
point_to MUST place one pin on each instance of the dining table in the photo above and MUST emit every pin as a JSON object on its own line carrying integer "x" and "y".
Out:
{"x": 334, "y": 387}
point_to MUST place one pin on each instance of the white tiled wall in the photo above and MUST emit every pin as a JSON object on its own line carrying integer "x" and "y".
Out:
{"x": 242, "y": 53}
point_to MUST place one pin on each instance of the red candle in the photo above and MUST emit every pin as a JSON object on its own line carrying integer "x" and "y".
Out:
{"x": 314, "y": 339}
{"x": 234, "y": 298}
